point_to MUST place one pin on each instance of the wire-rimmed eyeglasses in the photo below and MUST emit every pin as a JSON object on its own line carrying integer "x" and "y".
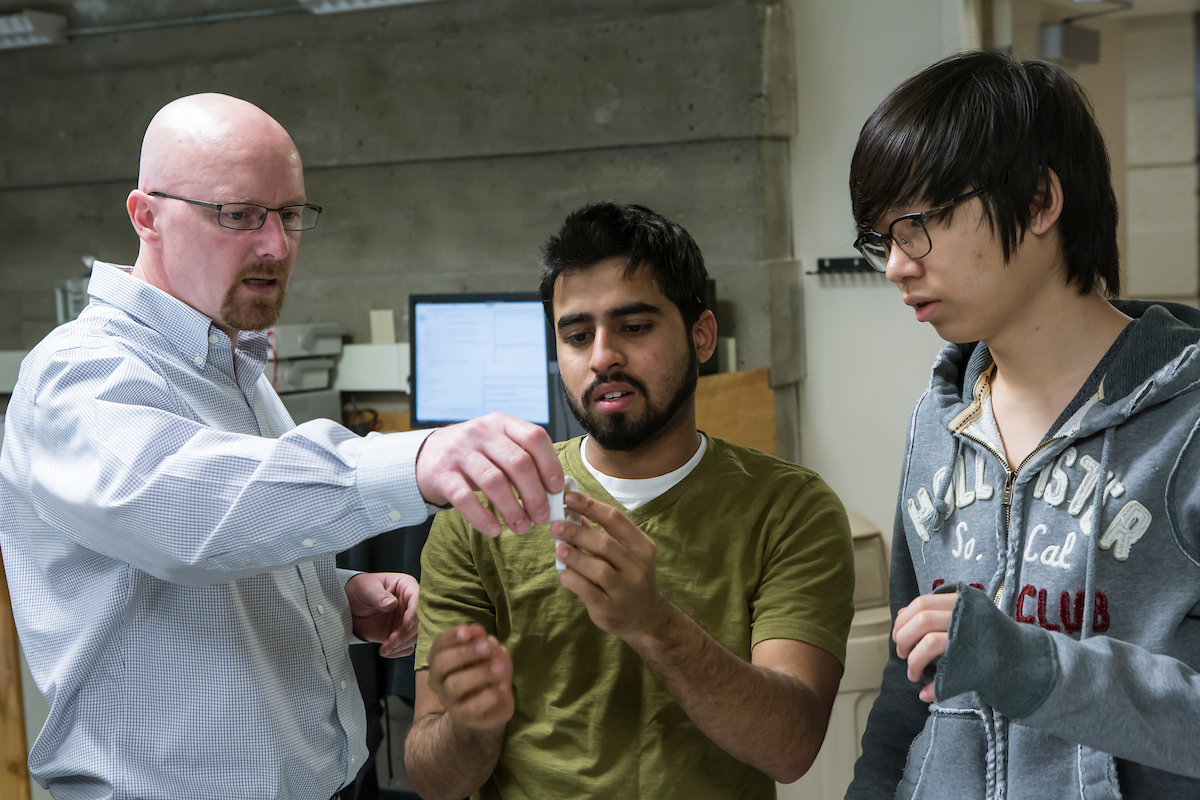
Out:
{"x": 251, "y": 216}
{"x": 908, "y": 232}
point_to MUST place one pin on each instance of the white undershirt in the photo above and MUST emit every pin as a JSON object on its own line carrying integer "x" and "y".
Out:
{"x": 634, "y": 492}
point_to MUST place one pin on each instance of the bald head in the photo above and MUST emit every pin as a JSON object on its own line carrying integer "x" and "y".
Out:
{"x": 215, "y": 149}
{"x": 194, "y": 142}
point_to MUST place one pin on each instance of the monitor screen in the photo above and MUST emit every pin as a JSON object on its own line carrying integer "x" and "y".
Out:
{"x": 473, "y": 354}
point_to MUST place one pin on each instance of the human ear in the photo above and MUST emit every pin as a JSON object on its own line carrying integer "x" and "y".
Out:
{"x": 704, "y": 334}
{"x": 141, "y": 214}
{"x": 1047, "y": 204}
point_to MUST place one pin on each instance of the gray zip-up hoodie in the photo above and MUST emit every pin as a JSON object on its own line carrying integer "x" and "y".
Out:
{"x": 1071, "y": 667}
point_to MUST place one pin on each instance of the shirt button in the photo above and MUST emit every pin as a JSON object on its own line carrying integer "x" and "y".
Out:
{"x": 343, "y": 686}
{"x": 320, "y": 609}
{"x": 395, "y": 515}
{"x": 199, "y": 361}
{"x": 353, "y": 759}
{"x": 308, "y": 543}
{"x": 212, "y": 337}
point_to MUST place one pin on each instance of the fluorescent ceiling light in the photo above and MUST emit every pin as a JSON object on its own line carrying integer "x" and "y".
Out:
{"x": 338, "y": 6}
{"x": 30, "y": 29}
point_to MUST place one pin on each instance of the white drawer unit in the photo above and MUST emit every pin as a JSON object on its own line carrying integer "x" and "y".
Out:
{"x": 304, "y": 357}
{"x": 306, "y": 341}
{"x": 301, "y": 374}
{"x": 866, "y": 655}
{"x": 10, "y": 368}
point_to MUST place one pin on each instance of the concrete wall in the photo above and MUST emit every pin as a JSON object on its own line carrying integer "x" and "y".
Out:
{"x": 446, "y": 141}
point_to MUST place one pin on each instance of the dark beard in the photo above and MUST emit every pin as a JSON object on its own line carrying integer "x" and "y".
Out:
{"x": 621, "y": 433}
{"x": 257, "y": 312}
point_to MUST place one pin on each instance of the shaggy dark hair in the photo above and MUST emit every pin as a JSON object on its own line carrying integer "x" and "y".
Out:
{"x": 609, "y": 229}
{"x": 983, "y": 121}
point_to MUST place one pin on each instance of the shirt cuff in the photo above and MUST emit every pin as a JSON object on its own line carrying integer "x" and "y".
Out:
{"x": 344, "y": 575}
{"x": 387, "y": 479}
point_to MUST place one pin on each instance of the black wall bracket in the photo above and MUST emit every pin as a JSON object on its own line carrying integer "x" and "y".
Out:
{"x": 843, "y": 266}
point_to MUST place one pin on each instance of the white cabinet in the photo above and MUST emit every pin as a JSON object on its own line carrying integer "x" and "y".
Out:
{"x": 866, "y": 655}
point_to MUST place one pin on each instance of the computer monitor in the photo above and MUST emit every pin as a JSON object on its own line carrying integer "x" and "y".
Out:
{"x": 473, "y": 354}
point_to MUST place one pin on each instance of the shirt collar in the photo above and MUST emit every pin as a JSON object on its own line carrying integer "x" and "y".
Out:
{"x": 185, "y": 327}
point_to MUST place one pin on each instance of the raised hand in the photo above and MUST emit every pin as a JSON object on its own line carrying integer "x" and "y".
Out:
{"x": 471, "y": 674}
{"x": 611, "y": 568}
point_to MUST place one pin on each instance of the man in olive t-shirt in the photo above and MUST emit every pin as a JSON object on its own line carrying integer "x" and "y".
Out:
{"x": 693, "y": 644}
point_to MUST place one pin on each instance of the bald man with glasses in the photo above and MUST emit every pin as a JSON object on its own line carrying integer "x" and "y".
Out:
{"x": 168, "y": 532}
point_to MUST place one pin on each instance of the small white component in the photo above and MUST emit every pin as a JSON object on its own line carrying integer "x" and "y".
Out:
{"x": 560, "y": 511}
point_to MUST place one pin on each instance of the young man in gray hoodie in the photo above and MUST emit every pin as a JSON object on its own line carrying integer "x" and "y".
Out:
{"x": 1046, "y": 553}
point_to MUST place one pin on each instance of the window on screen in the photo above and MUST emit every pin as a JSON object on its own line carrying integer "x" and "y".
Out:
{"x": 473, "y": 358}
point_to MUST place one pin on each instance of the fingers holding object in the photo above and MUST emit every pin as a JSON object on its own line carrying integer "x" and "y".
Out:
{"x": 590, "y": 592}
{"x": 484, "y": 474}
{"x": 496, "y": 470}
{"x": 595, "y": 568}
{"x": 494, "y": 455}
{"x": 614, "y": 523}
{"x": 593, "y": 540}
{"x": 527, "y": 456}
{"x": 461, "y": 495}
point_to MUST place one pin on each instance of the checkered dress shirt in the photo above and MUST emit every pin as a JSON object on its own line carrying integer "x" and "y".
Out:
{"x": 168, "y": 534}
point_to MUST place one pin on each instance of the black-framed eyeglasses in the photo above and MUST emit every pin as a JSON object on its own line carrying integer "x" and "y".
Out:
{"x": 251, "y": 216}
{"x": 908, "y": 232}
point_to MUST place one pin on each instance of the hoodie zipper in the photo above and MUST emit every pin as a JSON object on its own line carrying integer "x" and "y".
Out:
{"x": 1010, "y": 478}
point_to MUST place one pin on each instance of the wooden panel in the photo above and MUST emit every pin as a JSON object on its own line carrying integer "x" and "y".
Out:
{"x": 383, "y": 421}
{"x": 14, "y": 758}
{"x": 739, "y": 407}
{"x": 393, "y": 422}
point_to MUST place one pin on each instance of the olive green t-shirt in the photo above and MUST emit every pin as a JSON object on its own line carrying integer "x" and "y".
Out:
{"x": 749, "y": 546}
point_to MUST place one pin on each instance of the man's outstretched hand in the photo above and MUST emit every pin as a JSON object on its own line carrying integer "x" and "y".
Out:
{"x": 492, "y": 454}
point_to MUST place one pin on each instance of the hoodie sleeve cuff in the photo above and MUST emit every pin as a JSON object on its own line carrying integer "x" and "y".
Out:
{"x": 1013, "y": 667}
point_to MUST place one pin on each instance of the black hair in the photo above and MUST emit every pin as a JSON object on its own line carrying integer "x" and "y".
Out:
{"x": 981, "y": 120}
{"x": 608, "y": 229}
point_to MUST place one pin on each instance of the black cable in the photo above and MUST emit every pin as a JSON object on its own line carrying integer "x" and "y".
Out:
{"x": 387, "y": 727}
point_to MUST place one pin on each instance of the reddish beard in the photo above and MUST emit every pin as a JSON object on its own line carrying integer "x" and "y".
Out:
{"x": 255, "y": 312}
